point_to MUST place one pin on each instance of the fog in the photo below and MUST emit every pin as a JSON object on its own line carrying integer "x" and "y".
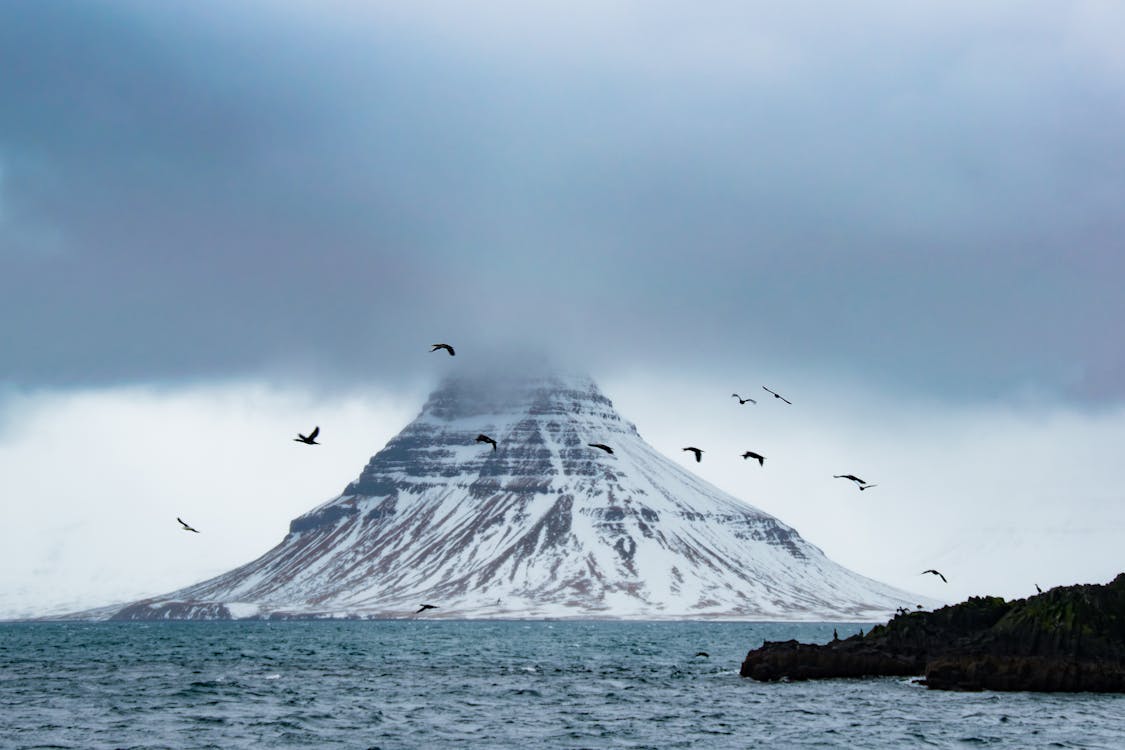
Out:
{"x": 998, "y": 500}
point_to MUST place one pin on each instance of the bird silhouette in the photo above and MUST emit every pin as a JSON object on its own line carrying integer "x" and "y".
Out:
{"x": 939, "y": 575}
{"x": 704, "y": 654}
{"x": 447, "y": 347}
{"x": 852, "y": 477}
{"x": 424, "y": 607}
{"x": 1037, "y": 589}
{"x": 601, "y": 446}
{"x": 698, "y": 453}
{"x": 863, "y": 487}
{"x": 742, "y": 400}
{"x": 309, "y": 439}
{"x": 757, "y": 456}
{"x": 486, "y": 439}
{"x": 778, "y": 395}
{"x": 185, "y": 525}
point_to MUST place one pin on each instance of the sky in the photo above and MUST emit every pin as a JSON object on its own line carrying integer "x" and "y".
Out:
{"x": 220, "y": 225}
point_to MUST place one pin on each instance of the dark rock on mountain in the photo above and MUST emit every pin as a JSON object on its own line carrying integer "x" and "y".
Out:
{"x": 1067, "y": 639}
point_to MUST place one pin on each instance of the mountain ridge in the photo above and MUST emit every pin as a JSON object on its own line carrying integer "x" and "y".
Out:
{"x": 543, "y": 526}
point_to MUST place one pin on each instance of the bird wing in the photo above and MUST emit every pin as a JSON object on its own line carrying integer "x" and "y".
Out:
{"x": 314, "y": 433}
{"x": 942, "y": 578}
{"x": 785, "y": 400}
{"x": 182, "y": 522}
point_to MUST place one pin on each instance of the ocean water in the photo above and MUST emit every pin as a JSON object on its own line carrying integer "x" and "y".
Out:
{"x": 428, "y": 683}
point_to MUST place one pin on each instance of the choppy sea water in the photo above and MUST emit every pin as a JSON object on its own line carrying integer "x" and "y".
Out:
{"x": 422, "y": 684}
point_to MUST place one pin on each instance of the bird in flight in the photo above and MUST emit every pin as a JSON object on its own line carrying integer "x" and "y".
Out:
{"x": 756, "y": 456}
{"x": 186, "y": 527}
{"x": 447, "y": 347}
{"x": 778, "y": 395}
{"x": 309, "y": 439}
{"x": 482, "y": 438}
{"x": 863, "y": 487}
{"x": 742, "y": 400}
{"x": 1038, "y": 589}
{"x": 601, "y": 446}
{"x": 852, "y": 477}
{"x": 424, "y": 607}
{"x": 698, "y": 453}
{"x": 939, "y": 575}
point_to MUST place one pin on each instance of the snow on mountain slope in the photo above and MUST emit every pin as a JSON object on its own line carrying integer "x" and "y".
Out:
{"x": 543, "y": 526}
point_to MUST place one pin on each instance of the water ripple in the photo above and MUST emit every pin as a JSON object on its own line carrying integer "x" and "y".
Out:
{"x": 489, "y": 685}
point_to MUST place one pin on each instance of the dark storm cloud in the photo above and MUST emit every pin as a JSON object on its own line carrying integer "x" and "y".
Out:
{"x": 929, "y": 199}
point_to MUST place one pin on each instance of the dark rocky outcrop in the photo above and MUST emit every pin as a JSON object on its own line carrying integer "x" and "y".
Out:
{"x": 1067, "y": 639}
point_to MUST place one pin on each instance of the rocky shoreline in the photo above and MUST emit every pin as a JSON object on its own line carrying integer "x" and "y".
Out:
{"x": 1068, "y": 639}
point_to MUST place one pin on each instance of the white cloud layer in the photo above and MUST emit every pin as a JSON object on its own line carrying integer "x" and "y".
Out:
{"x": 997, "y": 497}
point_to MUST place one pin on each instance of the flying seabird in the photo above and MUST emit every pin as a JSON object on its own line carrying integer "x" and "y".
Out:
{"x": 757, "y": 456}
{"x": 186, "y": 527}
{"x": 1038, "y": 589}
{"x": 309, "y": 439}
{"x": 852, "y": 477}
{"x": 601, "y": 446}
{"x": 742, "y": 400}
{"x": 778, "y": 395}
{"x": 486, "y": 439}
{"x": 447, "y": 347}
{"x": 939, "y": 575}
{"x": 698, "y": 453}
{"x": 424, "y": 607}
{"x": 704, "y": 654}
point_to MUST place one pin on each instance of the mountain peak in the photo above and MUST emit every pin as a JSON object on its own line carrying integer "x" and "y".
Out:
{"x": 542, "y": 524}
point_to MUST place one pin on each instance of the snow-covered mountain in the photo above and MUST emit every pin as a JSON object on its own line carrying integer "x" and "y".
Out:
{"x": 541, "y": 526}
